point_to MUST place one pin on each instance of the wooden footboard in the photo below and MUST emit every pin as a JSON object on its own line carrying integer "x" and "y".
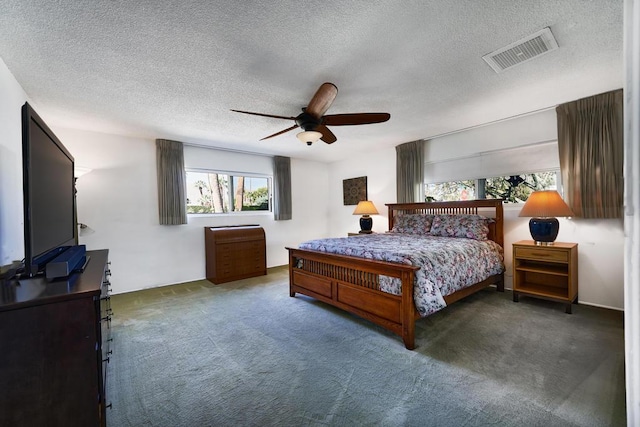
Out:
{"x": 352, "y": 284}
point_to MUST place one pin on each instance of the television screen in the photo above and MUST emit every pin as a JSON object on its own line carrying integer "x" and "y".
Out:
{"x": 49, "y": 192}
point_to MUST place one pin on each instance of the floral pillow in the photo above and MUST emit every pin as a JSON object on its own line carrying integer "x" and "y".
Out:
{"x": 469, "y": 226}
{"x": 412, "y": 224}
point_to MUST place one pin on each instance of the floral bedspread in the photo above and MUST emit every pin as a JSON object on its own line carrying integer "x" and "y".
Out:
{"x": 446, "y": 264}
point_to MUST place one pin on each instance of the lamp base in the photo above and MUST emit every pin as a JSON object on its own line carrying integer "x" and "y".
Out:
{"x": 366, "y": 222}
{"x": 544, "y": 230}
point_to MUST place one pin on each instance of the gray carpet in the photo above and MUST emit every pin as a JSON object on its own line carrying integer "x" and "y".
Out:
{"x": 245, "y": 353}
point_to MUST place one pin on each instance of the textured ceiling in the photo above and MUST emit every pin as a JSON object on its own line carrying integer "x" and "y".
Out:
{"x": 174, "y": 69}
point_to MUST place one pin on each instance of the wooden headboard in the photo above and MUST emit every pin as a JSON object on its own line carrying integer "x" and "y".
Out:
{"x": 491, "y": 208}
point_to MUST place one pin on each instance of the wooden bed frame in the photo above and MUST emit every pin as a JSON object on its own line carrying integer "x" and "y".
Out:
{"x": 352, "y": 284}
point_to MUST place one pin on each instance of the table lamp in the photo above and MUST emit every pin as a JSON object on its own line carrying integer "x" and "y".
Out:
{"x": 365, "y": 208}
{"x": 543, "y": 207}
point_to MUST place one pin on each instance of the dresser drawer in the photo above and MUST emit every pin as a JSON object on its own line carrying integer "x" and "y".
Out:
{"x": 542, "y": 254}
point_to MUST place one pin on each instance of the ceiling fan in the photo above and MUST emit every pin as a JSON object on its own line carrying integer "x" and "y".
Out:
{"x": 314, "y": 123}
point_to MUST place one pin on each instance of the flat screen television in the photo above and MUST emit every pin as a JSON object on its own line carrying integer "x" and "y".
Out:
{"x": 48, "y": 192}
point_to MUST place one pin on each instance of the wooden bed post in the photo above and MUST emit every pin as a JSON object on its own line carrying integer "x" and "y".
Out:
{"x": 499, "y": 218}
{"x": 408, "y": 311}
{"x": 292, "y": 293}
{"x": 500, "y": 283}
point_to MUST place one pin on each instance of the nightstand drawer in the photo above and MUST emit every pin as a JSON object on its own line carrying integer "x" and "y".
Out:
{"x": 543, "y": 254}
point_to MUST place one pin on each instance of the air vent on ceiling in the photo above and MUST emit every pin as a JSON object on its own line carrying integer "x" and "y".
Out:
{"x": 521, "y": 51}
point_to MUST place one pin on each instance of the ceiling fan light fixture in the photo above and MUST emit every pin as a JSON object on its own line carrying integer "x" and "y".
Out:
{"x": 309, "y": 136}
{"x": 313, "y": 122}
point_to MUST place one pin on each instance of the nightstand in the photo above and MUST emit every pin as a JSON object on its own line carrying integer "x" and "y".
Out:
{"x": 548, "y": 272}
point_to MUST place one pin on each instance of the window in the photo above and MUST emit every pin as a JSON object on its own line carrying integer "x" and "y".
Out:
{"x": 222, "y": 192}
{"x": 512, "y": 188}
{"x": 449, "y": 191}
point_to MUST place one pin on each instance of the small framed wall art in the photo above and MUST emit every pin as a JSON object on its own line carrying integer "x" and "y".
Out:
{"x": 354, "y": 190}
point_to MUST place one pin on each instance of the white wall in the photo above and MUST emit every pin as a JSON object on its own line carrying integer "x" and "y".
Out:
{"x": 600, "y": 242}
{"x": 12, "y": 97}
{"x": 118, "y": 201}
{"x": 380, "y": 169}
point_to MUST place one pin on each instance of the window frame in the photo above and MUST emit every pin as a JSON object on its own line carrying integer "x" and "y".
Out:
{"x": 231, "y": 174}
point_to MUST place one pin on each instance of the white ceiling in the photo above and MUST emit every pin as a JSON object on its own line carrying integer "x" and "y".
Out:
{"x": 174, "y": 69}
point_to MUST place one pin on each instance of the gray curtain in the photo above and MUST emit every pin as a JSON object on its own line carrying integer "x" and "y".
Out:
{"x": 281, "y": 188}
{"x": 410, "y": 172}
{"x": 172, "y": 199}
{"x": 590, "y": 144}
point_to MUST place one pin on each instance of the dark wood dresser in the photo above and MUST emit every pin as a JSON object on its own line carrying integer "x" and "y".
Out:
{"x": 234, "y": 253}
{"x": 55, "y": 348}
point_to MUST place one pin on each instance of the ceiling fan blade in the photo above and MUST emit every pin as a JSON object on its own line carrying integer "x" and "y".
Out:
{"x": 264, "y": 115}
{"x": 327, "y": 135}
{"x": 322, "y": 100}
{"x": 355, "y": 119}
{"x": 279, "y": 133}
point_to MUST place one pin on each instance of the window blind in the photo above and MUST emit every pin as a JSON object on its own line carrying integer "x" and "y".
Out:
{"x": 503, "y": 162}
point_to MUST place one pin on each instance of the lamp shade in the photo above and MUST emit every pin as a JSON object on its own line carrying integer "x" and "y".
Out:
{"x": 543, "y": 207}
{"x": 545, "y": 204}
{"x": 365, "y": 207}
{"x": 309, "y": 136}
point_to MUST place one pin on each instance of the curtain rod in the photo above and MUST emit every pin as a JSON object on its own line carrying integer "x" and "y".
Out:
{"x": 231, "y": 150}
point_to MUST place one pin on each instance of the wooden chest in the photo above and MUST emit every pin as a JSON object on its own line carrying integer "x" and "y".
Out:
{"x": 234, "y": 253}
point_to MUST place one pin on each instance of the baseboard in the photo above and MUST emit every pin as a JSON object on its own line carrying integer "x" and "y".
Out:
{"x": 277, "y": 267}
{"x": 600, "y": 306}
{"x": 585, "y": 303}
